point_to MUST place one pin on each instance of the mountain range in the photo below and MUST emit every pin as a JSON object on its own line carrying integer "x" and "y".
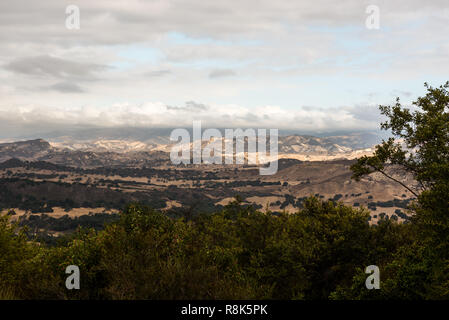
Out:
{"x": 135, "y": 149}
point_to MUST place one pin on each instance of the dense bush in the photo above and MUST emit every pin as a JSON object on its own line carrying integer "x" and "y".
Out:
{"x": 237, "y": 253}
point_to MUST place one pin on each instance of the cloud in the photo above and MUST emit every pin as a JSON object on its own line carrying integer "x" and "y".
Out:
{"x": 220, "y": 73}
{"x": 367, "y": 113}
{"x": 399, "y": 93}
{"x": 65, "y": 87}
{"x": 276, "y": 56}
{"x": 190, "y": 106}
{"x": 159, "y": 115}
{"x": 157, "y": 73}
{"x": 52, "y": 67}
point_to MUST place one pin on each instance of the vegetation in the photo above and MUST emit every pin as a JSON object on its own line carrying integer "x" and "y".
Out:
{"x": 419, "y": 269}
{"x": 236, "y": 253}
{"x": 239, "y": 252}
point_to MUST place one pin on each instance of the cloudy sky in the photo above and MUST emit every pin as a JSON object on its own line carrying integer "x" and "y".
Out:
{"x": 304, "y": 65}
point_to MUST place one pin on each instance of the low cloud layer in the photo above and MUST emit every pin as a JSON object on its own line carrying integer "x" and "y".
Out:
{"x": 37, "y": 120}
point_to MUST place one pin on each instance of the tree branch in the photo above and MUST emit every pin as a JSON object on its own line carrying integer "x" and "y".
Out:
{"x": 396, "y": 180}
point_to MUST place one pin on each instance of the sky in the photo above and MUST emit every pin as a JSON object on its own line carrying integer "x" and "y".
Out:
{"x": 311, "y": 66}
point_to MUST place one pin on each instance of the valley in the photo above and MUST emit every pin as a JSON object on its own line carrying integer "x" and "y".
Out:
{"x": 42, "y": 184}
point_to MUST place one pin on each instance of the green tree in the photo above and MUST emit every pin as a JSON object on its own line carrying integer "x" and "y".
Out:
{"x": 421, "y": 148}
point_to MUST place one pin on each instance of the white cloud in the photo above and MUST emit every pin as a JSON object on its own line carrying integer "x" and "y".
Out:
{"x": 48, "y": 66}
{"x": 220, "y": 73}
{"x": 159, "y": 115}
{"x": 242, "y": 57}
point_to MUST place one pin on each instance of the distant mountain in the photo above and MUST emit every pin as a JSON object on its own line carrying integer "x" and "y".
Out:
{"x": 41, "y": 150}
{"x": 92, "y": 138}
{"x": 123, "y": 140}
{"x": 25, "y": 149}
{"x": 104, "y": 151}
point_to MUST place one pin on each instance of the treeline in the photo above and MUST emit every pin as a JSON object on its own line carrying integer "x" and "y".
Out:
{"x": 41, "y": 196}
{"x": 97, "y": 221}
{"x": 149, "y": 172}
{"x": 237, "y": 253}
